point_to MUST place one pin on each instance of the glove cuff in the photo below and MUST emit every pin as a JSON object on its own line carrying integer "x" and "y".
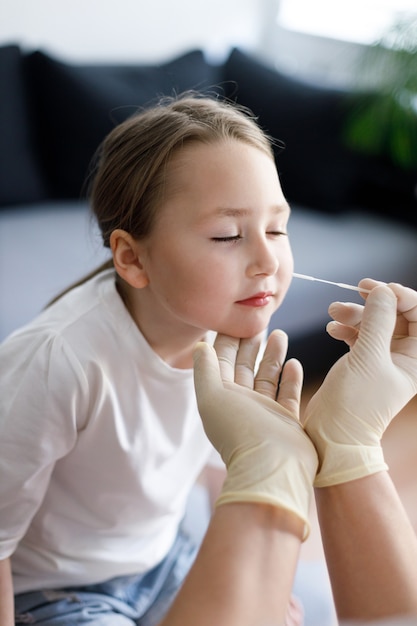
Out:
{"x": 341, "y": 463}
{"x": 285, "y": 482}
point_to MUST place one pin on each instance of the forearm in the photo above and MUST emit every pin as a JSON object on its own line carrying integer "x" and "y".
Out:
{"x": 370, "y": 547}
{"x": 244, "y": 572}
{"x": 6, "y": 594}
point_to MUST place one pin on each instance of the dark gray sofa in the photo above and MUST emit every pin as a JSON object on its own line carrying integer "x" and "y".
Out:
{"x": 353, "y": 216}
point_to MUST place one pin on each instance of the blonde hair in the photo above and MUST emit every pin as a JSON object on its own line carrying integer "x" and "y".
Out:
{"x": 132, "y": 161}
{"x": 130, "y": 167}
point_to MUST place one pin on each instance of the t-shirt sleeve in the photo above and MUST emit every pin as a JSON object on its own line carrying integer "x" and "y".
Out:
{"x": 43, "y": 392}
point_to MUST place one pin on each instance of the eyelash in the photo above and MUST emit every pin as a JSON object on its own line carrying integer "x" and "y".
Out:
{"x": 223, "y": 239}
{"x": 234, "y": 238}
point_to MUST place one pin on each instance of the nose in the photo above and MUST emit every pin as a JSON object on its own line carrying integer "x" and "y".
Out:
{"x": 263, "y": 257}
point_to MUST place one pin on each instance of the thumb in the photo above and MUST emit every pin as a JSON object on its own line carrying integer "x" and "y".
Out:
{"x": 207, "y": 377}
{"x": 378, "y": 321}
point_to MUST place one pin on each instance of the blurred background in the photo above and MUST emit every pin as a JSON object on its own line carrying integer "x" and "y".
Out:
{"x": 317, "y": 39}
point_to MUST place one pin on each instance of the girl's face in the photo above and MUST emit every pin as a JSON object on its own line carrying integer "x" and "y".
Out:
{"x": 219, "y": 257}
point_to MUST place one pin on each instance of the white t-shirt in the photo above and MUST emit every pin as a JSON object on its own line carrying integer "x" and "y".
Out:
{"x": 100, "y": 444}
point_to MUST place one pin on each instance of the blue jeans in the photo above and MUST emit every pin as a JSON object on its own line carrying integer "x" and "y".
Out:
{"x": 140, "y": 600}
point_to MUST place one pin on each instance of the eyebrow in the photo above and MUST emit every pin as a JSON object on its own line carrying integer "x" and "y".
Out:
{"x": 238, "y": 212}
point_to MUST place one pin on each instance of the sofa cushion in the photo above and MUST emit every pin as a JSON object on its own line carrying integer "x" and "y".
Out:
{"x": 19, "y": 174}
{"x": 77, "y": 105}
{"x": 386, "y": 189}
{"x": 315, "y": 168}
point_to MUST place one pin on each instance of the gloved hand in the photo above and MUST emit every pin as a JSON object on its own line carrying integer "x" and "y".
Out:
{"x": 253, "y": 422}
{"x": 366, "y": 387}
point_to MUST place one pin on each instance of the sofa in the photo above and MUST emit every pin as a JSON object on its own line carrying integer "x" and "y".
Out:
{"x": 353, "y": 215}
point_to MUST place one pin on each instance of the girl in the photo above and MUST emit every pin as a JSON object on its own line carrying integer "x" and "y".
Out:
{"x": 100, "y": 437}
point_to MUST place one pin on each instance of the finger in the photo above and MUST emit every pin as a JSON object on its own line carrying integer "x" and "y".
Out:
{"x": 342, "y": 332}
{"x": 406, "y": 307}
{"x": 270, "y": 367}
{"x": 290, "y": 387}
{"x": 207, "y": 377}
{"x": 348, "y": 313}
{"x": 378, "y": 321}
{"x": 369, "y": 284}
{"x": 246, "y": 360}
{"x": 227, "y": 348}
{"x": 347, "y": 318}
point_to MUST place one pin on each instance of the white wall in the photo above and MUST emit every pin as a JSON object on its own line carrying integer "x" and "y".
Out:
{"x": 313, "y": 58}
{"x": 155, "y": 30}
{"x": 133, "y": 30}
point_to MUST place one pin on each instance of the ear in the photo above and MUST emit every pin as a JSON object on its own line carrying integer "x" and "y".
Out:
{"x": 126, "y": 258}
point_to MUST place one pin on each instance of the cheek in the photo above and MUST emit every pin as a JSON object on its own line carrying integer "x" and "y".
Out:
{"x": 206, "y": 294}
{"x": 207, "y": 280}
{"x": 286, "y": 264}
{"x": 190, "y": 279}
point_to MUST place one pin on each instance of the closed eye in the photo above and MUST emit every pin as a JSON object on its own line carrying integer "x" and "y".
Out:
{"x": 230, "y": 238}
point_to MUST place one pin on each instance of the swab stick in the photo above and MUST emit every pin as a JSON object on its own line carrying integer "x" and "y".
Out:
{"x": 329, "y": 282}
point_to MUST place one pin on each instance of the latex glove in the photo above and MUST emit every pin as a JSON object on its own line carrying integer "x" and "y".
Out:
{"x": 254, "y": 423}
{"x": 366, "y": 387}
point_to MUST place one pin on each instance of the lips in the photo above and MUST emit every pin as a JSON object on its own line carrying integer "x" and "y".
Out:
{"x": 258, "y": 300}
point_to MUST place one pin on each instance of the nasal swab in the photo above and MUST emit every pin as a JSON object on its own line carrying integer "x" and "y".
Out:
{"x": 329, "y": 282}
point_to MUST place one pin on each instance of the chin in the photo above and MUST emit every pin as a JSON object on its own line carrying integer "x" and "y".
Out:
{"x": 244, "y": 331}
